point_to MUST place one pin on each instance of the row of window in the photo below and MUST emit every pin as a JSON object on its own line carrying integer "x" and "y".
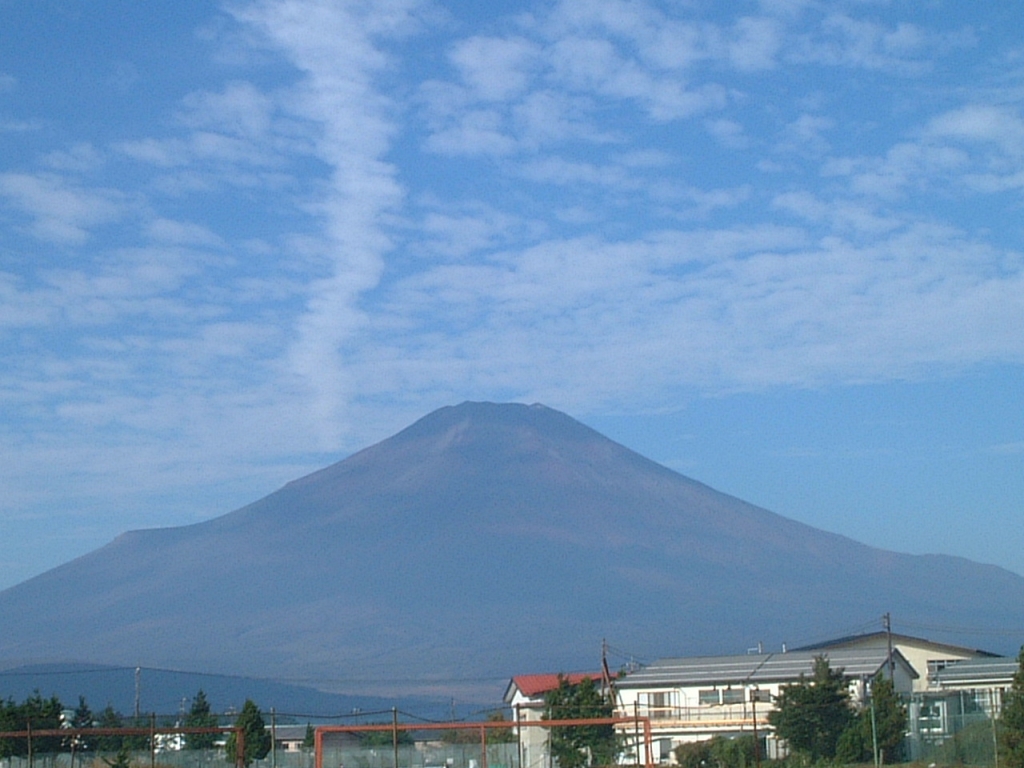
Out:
{"x": 723, "y": 696}
{"x": 662, "y": 700}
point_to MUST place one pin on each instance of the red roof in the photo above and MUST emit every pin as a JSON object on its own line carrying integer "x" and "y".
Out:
{"x": 534, "y": 685}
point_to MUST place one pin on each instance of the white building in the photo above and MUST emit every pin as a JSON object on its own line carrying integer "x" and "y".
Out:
{"x": 925, "y": 656}
{"x": 694, "y": 699}
{"x": 525, "y": 696}
{"x": 959, "y": 695}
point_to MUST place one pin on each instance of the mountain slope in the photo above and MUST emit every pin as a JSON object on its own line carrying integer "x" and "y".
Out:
{"x": 482, "y": 541}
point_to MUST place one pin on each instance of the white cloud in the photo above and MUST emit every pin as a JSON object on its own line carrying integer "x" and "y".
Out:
{"x": 713, "y": 309}
{"x": 805, "y": 135}
{"x": 842, "y": 40}
{"x": 842, "y": 216}
{"x": 334, "y": 47}
{"x": 728, "y": 133}
{"x": 755, "y": 44}
{"x": 998, "y": 125}
{"x": 61, "y": 211}
{"x": 240, "y": 110}
{"x": 181, "y": 233}
{"x": 496, "y": 68}
{"x": 80, "y": 157}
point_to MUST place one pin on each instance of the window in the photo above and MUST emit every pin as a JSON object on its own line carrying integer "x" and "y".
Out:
{"x": 659, "y": 704}
{"x": 733, "y": 696}
{"x": 709, "y": 696}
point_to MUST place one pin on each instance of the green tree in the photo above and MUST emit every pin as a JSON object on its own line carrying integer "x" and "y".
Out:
{"x": 122, "y": 759}
{"x": 1011, "y": 720}
{"x": 499, "y": 735}
{"x": 257, "y": 740}
{"x": 82, "y": 719}
{"x": 37, "y": 713}
{"x": 717, "y": 752}
{"x": 856, "y": 745}
{"x": 574, "y": 746}
{"x": 139, "y": 742}
{"x": 811, "y": 715}
{"x": 8, "y": 722}
{"x": 200, "y": 716}
{"x": 109, "y": 718}
{"x": 693, "y": 754}
{"x": 472, "y": 735}
{"x": 737, "y": 752}
{"x": 385, "y": 738}
{"x": 309, "y": 740}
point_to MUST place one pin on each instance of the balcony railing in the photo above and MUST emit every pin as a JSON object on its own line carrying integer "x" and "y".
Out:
{"x": 723, "y": 715}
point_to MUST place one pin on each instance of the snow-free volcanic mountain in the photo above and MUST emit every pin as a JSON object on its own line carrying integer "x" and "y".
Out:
{"x": 483, "y": 541}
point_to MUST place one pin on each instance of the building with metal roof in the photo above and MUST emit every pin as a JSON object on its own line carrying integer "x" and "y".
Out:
{"x": 925, "y": 656}
{"x": 525, "y": 696}
{"x": 696, "y": 698}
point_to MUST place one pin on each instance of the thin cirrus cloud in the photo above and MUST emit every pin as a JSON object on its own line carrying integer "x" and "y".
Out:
{"x": 59, "y": 210}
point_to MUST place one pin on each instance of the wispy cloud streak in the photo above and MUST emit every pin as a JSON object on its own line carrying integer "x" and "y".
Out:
{"x": 334, "y": 46}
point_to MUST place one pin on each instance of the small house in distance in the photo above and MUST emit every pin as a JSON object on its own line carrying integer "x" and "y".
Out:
{"x": 525, "y": 696}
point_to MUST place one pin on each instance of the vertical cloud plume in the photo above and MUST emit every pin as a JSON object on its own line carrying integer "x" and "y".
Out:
{"x": 335, "y": 46}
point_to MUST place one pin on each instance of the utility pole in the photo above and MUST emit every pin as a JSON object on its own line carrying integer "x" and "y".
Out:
{"x": 394, "y": 732}
{"x": 874, "y": 733}
{"x": 138, "y": 688}
{"x": 887, "y": 623}
{"x": 607, "y": 681}
{"x": 753, "y": 717}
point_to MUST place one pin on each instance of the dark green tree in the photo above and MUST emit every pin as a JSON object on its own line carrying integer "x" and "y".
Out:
{"x": 717, "y": 752}
{"x": 385, "y": 738}
{"x": 574, "y": 746}
{"x": 200, "y": 716}
{"x": 811, "y": 715}
{"x": 82, "y": 719}
{"x": 109, "y": 718}
{"x": 693, "y": 754}
{"x": 856, "y": 745}
{"x": 1011, "y": 720}
{"x": 37, "y": 713}
{"x": 499, "y": 735}
{"x": 472, "y": 735}
{"x": 309, "y": 740}
{"x": 110, "y": 744}
{"x": 123, "y": 758}
{"x": 8, "y": 722}
{"x": 139, "y": 742}
{"x": 737, "y": 752}
{"x": 257, "y": 739}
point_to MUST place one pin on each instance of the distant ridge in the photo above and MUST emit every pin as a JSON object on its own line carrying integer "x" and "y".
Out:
{"x": 168, "y": 692}
{"x": 482, "y": 541}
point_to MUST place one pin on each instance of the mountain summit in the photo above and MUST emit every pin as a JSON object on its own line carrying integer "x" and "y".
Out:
{"x": 482, "y": 541}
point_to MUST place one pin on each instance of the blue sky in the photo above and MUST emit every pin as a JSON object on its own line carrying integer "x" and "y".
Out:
{"x": 777, "y": 246}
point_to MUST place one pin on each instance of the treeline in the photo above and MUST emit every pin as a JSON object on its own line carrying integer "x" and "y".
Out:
{"x": 39, "y": 714}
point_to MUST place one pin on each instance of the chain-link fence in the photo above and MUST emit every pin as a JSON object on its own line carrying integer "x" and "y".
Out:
{"x": 954, "y": 727}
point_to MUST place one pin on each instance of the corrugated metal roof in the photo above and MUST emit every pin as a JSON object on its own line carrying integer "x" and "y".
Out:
{"x": 851, "y": 640}
{"x": 754, "y": 668}
{"x": 980, "y": 670}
